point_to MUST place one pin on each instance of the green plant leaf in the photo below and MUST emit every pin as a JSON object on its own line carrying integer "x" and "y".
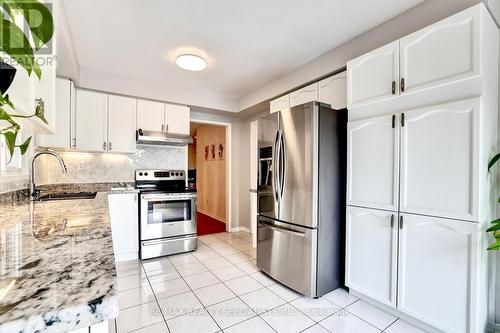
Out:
{"x": 4, "y": 115}
{"x": 497, "y": 221}
{"x": 24, "y": 146}
{"x": 40, "y": 113}
{"x": 16, "y": 45}
{"x": 493, "y": 161}
{"x": 495, "y": 227}
{"x": 37, "y": 16}
{"x": 495, "y": 246}
{"x": 10, "y": 140}
{"x": 7, "y": 101}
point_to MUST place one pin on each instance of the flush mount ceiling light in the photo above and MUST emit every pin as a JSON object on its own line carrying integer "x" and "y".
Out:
{"x": 191, "y": 62}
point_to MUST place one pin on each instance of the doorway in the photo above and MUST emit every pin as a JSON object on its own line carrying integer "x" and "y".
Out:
{"x": 208, "y": 173}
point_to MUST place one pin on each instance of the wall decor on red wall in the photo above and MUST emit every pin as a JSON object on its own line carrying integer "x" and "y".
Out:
{"x": 206, "y": 153}
{"x": 221, "y": 151}
{"x": 213, "y": 152}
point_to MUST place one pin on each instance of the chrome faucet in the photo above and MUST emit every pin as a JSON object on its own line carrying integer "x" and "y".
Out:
{"x": 32, "y": 188}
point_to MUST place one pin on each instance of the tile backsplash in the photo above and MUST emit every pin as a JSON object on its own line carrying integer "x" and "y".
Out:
{"x": 103, "y": 168}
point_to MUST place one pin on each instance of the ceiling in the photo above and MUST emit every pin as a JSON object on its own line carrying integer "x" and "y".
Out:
{"x": 247, "y": 43}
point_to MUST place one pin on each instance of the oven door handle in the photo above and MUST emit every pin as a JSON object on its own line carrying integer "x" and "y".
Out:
{"x": 170, "y": 239}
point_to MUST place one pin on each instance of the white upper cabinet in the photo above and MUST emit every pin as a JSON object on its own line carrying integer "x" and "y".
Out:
{"x": 443, "y": 52}
{"x": 436, "y": 258}
{"x": 62, "y": 120}
{"x": 304, "y": 95}
{"x": 373, "y": 163}
{"x": 280, "y": 103}
{"x": 150, "y": 115}
{"x": 177, "y": 118}
{"x": 373, "y": 76}
{"x": 121, "y": 124}
{"x": 91, "y": 120}
{"x": 333, "y": 91}
{"x": 440, "y": 160}
{"x": 371, "y": 256}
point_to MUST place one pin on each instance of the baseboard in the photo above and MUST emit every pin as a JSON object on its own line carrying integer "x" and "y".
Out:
{"x": 496, "y": 328}
{"x": 236, "y": 229}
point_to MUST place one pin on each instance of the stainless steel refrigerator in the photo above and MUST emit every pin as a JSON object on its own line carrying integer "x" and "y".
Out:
{"x": 301, "y": 197}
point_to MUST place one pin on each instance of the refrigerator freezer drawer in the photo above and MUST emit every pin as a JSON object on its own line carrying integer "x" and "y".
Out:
{"x": 287, "y": 253}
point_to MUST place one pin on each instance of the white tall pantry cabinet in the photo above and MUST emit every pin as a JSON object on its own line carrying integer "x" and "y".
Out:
{"x": 423, "y": 124}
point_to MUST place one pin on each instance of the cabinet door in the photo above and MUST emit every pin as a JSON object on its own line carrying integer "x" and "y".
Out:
{"x": 371, "y": 253}
{"x": 443, "y": 52}
{"x": 91, "y": 120}
{"x": 123, "y": 214}
{"x": 121, "y": 124}
{"x": 304, "y": 95}
{"x": 280, "y": 103}
{"x": 439, "y": 160}
{"x": 436, "y": 257}
{"x": 62, "y": 121}
{"x": 150, "y": 115}
{"x": 373, "y": 76}
{"x": 333, "y": 91}
{"x": 373, "y": 163}
{"x": 177, "y": 119}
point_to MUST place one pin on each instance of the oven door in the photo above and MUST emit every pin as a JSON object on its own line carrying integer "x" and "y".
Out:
{"x": 167, "y": 215}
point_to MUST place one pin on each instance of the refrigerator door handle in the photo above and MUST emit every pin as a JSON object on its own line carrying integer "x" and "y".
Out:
{"x": 276, "y": 180}
{"x": 272, "y": 226}
{"x": 282, "y": 164}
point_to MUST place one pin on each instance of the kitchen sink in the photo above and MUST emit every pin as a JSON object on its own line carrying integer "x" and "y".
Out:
{"x": 67, "y": 196}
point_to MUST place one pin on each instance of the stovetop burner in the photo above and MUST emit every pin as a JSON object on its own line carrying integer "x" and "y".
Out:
{"x": 171, "y": 181}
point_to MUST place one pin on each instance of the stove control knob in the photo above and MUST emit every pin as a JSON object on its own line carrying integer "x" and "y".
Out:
{"x": 176, "y": 173}
{"x": 140, "y": 173}
{"x": 172, "y": 174}
{"x": 182, "y": 174}
{"x": 145, "y": 173}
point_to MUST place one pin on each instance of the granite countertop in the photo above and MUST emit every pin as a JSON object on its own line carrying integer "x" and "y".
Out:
{"x": 57, "y": 269}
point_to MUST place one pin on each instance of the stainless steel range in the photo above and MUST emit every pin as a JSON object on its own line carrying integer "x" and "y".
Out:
{"x": 167, "y": 213}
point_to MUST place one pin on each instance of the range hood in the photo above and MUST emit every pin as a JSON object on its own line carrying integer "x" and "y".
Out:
{"x": 162, "y": 139}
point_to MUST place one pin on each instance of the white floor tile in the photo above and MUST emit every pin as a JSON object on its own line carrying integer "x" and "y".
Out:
{"x": 238, "y": 257}
{"x": 316, "y": 329}
{"x": 132, "y": 281}
{"x": 251, "y": 253}
{"x": 201, "y": 280}
{"x": 230, "y": 312}
{"x": 256, "y": 324}
{"x": 215, "y": 263}
{"x": 169, "y": 288}
{"x": 178, "y": 305}
{"x": 244, "y": 246}
{"x": 127, "y": 268}
{"x": 182, "y": 259}
{"x": 284, "y": 292}
{"x": 227, "y": 250}
{"x": 191, "y": 268}
{"x": 228, "y": 272}
{"x": 164, "y": 274}
{"x": 263, "y": 278}
{"x": 137, "y": 296}
{"x": 341, "y": 297}
{"x": 262, "y": 300}
{"x": 156, "y": 328}
{"x": 138, "y": 317}
{"x": 248, "y": 267}
{"x": 401, "y": 326}
{"x": 344, "y": 322}
{"x": 197, "y": 321}
{"x": 206, "y": 254}
{"x": 287, "y": 319}
{"x": 316, "y": 309}
{"x": 155, "y": 264}
{"x": 217, "y": 245}
{"x": 243, "y": 285}
{"x": 214, "y": 294}
{"x": 371, "y": 314}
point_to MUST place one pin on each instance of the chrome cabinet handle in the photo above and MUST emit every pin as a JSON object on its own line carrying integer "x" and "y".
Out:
{"x": 163, "y": 127}
{"x": 401, "y": 222}
{"x": 394, "y": 87}
{"x": 74, "y": 142}
{"x": 109, "y": 146}
{"x": 104, "y": 145}
{"x": 392, "y": 221}
{"x": 402, "y": 84}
